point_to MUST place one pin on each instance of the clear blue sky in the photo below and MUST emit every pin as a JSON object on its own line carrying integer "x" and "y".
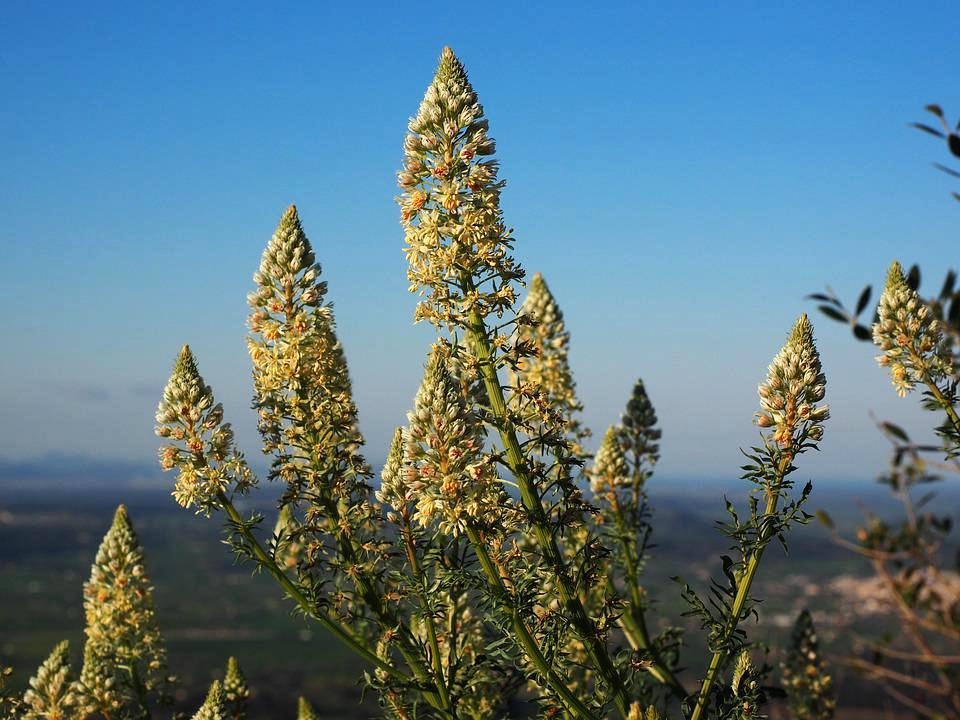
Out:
{"x": 681, "y": 176}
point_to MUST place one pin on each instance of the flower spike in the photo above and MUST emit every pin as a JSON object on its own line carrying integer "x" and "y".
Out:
{"x": 236, "y": 692}
{"x": 122, "y": 629}
{"x": 51, "y": 693}
{"x": 456, "y": 241}
{"x": 610, "y": 469}
{"x": 202, "y": 444}
{"x": 215, "y": 706}
{"x": 300, "y": 371}
{"x": 795, "y": 385}
{"x": 544, "y": 335}
{"x": 453, "y": 482}
{"x": 639, "y": 434}
{"x": 912, "y": 341}
{"x": 305, "y": 710}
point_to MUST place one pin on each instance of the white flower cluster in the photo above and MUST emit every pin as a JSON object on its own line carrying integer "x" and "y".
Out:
{"x": 202, "y": 448}
{"x": 444, "y": 470}
{"x": 910, "y": 337}
{"x": 795, "y": 385}
{"x": 610, "y": 470}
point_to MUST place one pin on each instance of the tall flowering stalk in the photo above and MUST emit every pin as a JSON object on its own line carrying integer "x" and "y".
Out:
{"x": 618, "y": 486}
{"x": 638, "y": 438}
{"x": 918, "y": 337}
{"x": 181, "y": 419}
{"x": 124, "y": 656}
{"x": 792, "y": 410}
{"x": 302, "y": 386}
{"x": 308, "y": 421}
{"x": 915, "y": 348}
{"x": 304, "y": 401}
{"x": 458, "y": 247}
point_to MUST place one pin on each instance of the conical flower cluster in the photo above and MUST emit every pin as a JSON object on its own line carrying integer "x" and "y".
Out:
{"x": 453, "y": 482}
{"x": 121, "y": 629}
{"x": 805, "y": 677}
{"x": 638, "y": 432}
{"x": 302, "y": 386}
{"x": 305, "y": 710}
{"x": 52, "y": 695}
{"x": 395, "y": 489}
{"x": 235, "y": 690}
{"x": 610, "y": 470}
{"x": 456, "y": 242}
{"x": 912, "y": 341}
{"x": 202, "y": 444}
{"x": 795, "y": 385}
{"x": 215, "y": 706}
{"x": 544, "y": 334}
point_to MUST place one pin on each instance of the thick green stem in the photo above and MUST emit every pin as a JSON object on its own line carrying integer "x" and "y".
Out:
{"x": 339, "y": 631}
{"x": 633, "y": 621}
{"x": 744, "y": 581}
{"x": 527, "y": 641}
{"x": 582, "y": 623}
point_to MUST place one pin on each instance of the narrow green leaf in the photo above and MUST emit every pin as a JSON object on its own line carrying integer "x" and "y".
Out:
{"x": 864, "y": 299}
{"x": 833, "y": 313}
{"x": 895, "y": 430}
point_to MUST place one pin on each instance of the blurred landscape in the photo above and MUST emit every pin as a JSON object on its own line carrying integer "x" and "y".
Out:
{"x": 211, "y": 608}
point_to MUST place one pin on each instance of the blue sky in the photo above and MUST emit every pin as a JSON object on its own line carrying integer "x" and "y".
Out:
{"x": 682, "y": 176}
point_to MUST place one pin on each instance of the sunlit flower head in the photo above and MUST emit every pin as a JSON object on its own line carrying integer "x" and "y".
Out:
{"x": 456, "y": 242}
{"x": 200, "y": 444}
{"x": 445, "y": 467}
{"x": 912, "y": 341}
{"x": 791, "y": 396}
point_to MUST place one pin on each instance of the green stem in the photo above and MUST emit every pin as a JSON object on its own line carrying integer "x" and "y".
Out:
{"x": 339, "y": 631}
{"x": 582, "y": 623}
{"x": 141, "y": 691}
{"x": 633, "y": 620}
{"x": 919, "y": 362}
{"x": 947, "y": 407}
{"x": 346, "y": 544}
{"x": 431, "y": 630}
{"x": 527, "y": 641}
{"x": 744, "y": 581}
{"x": 387, "y": 619}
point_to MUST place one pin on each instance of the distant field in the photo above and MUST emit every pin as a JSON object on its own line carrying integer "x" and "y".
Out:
{"x": 211, "y": 608}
